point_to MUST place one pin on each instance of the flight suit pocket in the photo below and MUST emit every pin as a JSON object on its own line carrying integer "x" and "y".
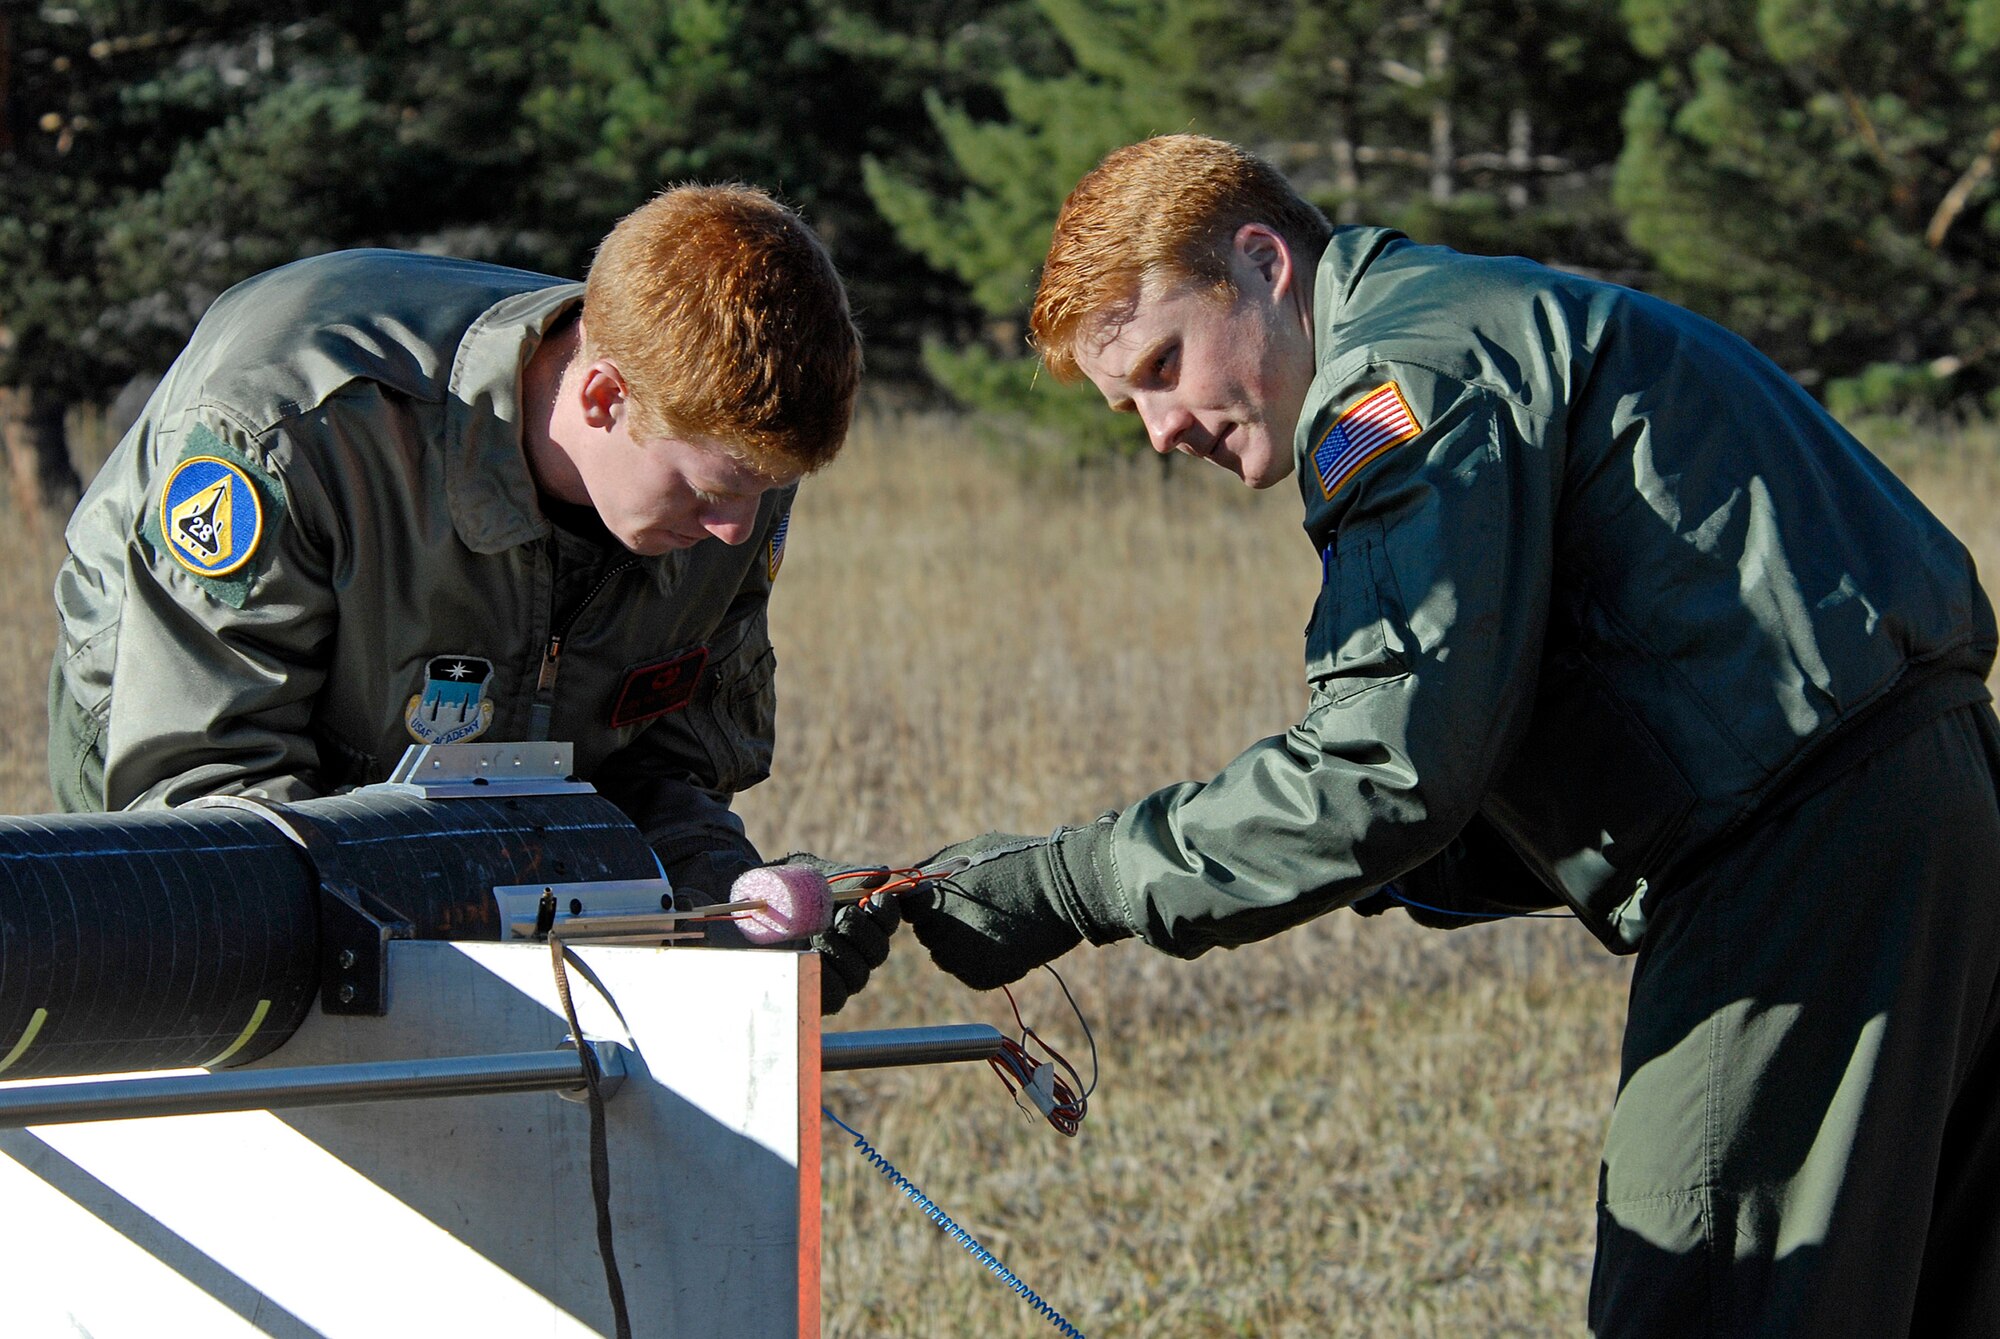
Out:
{"x": 1352, "y": 643}
{"x": 735, "y": 716}
{"x": 1590, "y": 795}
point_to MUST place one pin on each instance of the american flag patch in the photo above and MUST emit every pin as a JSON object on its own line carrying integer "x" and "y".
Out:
{"x": 776, "y": 556}
{"x": 1380, "y": 420}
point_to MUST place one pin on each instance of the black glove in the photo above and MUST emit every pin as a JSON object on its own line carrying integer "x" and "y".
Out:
{"x": 1006, "y": 904}
{"x": 703, "y": 878}
{"x": 857, "y": 942}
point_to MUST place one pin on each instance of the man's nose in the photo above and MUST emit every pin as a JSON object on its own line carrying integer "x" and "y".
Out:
{"x": 1165, "y": 424}
{"x": 733, "y": 521}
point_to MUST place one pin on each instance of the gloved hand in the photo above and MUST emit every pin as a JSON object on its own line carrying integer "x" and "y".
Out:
{"x": 1005, "y": 904}
{"x": 857, "y": 942}
{"x": 703, "y": 877}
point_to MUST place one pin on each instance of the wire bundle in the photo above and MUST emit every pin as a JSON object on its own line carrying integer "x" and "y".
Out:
{"x": 1062, "y": 1096}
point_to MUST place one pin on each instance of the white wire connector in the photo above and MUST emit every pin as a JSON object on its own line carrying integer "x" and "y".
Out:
{"x": 1041, "y": 1088}
{"x": 1053, "y": 1085}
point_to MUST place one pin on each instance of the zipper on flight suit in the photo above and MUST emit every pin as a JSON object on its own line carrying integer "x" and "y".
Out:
{"x": 543, "y": 712}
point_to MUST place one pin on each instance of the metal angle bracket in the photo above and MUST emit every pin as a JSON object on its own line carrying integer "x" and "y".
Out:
{"x": 354, "y": 933}
{"x": 610, "y": 1071}
{"x": 459, "y": 771}
{"x": 640, "y": 901}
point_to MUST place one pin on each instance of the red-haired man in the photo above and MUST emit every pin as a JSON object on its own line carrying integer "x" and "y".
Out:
{"x": 385, "y": 498}
{"x": 1613, "y": 617}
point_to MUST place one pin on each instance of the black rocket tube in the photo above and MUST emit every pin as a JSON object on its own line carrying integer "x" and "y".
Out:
{"x": 191, "y": 937}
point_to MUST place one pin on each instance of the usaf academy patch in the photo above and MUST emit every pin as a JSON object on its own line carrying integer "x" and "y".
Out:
{"x": 210, "y": 516}
{"x": 1379, "y": 420}
{"x": 776, "y": 557}
{"x": 453, "y": 706}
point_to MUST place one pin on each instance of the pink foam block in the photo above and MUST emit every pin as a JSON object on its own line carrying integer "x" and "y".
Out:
{"x": 798, "y": 903}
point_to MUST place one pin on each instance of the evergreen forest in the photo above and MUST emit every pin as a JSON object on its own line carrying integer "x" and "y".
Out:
{"x": 1818, "y": 174}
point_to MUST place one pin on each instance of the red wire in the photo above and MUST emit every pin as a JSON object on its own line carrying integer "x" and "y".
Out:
{"x": 895, "y": 880}
{"x": 1016, "y": 1064}
{"x": 1067, "y": 1111}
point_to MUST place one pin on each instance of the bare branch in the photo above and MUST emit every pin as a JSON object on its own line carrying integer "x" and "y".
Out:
{"x": 1864, "y": 126}
{"x": 1960, "y": 194}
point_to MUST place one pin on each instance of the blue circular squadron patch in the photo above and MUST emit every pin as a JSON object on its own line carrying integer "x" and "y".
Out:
{"x": 210, "y": 516}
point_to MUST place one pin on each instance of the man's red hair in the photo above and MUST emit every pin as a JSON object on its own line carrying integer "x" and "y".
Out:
{"x": 724, "y": 315}
{"x": 1155, "y": 215}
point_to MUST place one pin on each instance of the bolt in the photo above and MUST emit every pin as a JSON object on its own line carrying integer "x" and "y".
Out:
{"x": 347, "y": 960}
{"x": 346, "y": 993}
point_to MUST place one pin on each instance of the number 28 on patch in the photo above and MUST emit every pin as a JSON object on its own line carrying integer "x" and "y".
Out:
{"x": 210, "y": 516}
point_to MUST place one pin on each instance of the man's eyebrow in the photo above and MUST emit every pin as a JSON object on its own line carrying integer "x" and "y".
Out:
{"x": 1145, "y": 358}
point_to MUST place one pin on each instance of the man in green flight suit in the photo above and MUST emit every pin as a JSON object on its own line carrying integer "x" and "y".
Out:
{"x": 1613, "y": 617}
{"x": 384, "y": 498}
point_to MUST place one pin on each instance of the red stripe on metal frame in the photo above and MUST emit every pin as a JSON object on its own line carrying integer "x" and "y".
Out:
{"x": 809, "y": 1146}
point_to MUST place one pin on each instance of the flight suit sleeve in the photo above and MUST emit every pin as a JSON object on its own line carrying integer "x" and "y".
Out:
{"x": 220, "y": 643}
{"x": 677, "y": 778}
{"x": 1421, "y": 661}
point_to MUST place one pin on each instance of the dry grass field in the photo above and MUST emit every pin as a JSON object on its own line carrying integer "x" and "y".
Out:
{"x": 1360, "y": 1128}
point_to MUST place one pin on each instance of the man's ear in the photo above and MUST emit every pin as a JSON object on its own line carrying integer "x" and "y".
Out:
{"x": 1259, "y": 251}
{"x": 602, "y": 392}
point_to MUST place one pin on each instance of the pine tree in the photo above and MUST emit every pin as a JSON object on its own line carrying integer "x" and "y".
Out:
{"x": 66, "y": 149}
{"x": 107, "y": 100}
{"x": 1506, "y": 129}
{"x": 398, "y": 126}
{"x": 1821, "y": 177}
{"x": 1447, "y": 119}
{"x": 788, "y": 94}
{"x": 1128, "y": 70}
{"x": 154, "y": 152}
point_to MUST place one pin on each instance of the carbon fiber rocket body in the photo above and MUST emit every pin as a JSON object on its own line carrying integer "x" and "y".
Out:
{"x": 192, "y": 937}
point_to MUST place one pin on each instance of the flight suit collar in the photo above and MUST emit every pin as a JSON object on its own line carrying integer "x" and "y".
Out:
{"x": 494, "y": 503}
{"x": 1341, "y": 268}
{"x": 489, "y": 488}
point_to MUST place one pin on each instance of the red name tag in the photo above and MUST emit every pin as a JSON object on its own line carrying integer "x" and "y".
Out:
{"x": 658, "y": 688}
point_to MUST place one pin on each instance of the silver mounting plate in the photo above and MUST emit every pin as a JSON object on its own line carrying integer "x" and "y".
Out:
{"x": 578, "y": 904}
{"x": 448, "y": 771}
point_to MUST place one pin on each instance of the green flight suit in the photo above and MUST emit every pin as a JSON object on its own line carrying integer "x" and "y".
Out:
{"x": 383, "y": 571}
{"x": 1614, "y": 616}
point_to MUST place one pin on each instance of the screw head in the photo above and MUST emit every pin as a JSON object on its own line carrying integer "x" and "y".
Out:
{"x": 347, "y": 960}
{"x": 346, "y": 994}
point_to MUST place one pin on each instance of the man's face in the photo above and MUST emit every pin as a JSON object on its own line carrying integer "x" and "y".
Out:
{"x": 1220, "y": 379}
{"x": 669, "y": 493}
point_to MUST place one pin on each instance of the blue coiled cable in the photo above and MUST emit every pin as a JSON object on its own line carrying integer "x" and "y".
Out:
{"x": 954, "y": 1231}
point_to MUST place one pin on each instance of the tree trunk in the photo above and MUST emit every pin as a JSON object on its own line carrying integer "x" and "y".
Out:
{"x": 6, "y": 74}
{"x": 1520, "y": 157}
{"x": 1437, "y": 69}
{"x": 1346, "y": 177}
{"x": 37, "y": 442}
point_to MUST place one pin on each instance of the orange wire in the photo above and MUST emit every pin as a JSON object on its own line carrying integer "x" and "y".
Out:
{"x": 896, "y": 880}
